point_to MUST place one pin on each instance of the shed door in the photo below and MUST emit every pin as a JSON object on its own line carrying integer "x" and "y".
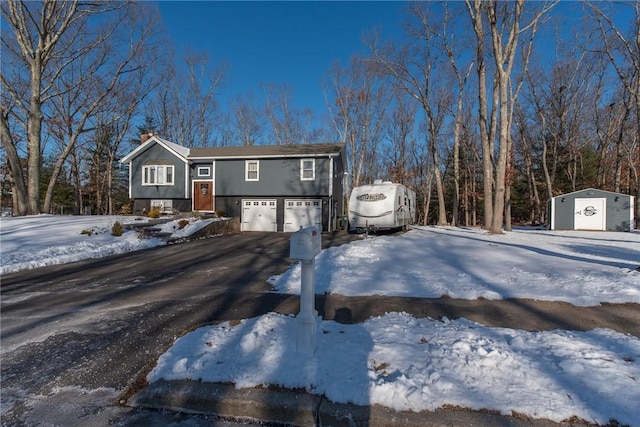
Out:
{"x": 589, "y": 214}
{"x": 259, "y": 215}
{"x": 302, "y": 213}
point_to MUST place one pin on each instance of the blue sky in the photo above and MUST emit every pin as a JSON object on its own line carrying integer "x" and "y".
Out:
{"x": 293, "y": 43}
{"x": 296, "y": 42}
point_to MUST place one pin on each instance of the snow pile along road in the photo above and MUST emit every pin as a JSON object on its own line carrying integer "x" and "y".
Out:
{"x": 419, "y": 364}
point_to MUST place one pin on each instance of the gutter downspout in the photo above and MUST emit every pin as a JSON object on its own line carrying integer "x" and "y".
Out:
{"x": 130, "y": 188}
{"x": 331, "y": 217}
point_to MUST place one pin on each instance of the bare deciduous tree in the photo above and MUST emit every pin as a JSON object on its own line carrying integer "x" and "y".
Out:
{"x": 289, "y": 125}
{"x": 505, "y": 30}
{"x": 458, "y": 67}
{"x": 414, "y": 65}
{"x": 80, "y": 56}
{"x": 358, "y": 105}
{"x": 248, "y": 120}
{"x": 623, "y": 51}
{"x": 401, "y": 134}
{"x": 45, "y": 38}
{"x": 186, "y": 104}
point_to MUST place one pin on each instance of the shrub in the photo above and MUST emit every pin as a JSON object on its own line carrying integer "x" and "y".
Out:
{"x": 117, "y": 229}
{"x": 154, "y": 212}
{"x": 182, "y": 223}
{"x": 126, "y": 209}
{"x": 220, "y": 213}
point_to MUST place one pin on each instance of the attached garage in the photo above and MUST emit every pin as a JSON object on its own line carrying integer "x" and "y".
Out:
{"x": 259, "y": 215}
{"x": 591, "y": 209}
{"x": 302, "y": 213}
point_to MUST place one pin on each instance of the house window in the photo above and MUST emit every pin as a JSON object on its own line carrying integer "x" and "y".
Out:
{"x": 204, "y": 171}
{"x": 308, "y": 169}
{"x": 165, "y": 206}
{"x": 157, "y": 175}
{"x": 252, "y": 170}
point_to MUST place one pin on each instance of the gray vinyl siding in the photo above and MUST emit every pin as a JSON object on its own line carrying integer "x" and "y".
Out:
{"x": 279, "y": 177}
{"x": 202, "y": 164}
{"x": 564, "y": 214}
{"x": 156, "y": 154}
{"x": 618, "y": 212}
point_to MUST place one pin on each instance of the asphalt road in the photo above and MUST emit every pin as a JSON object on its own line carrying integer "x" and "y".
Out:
{"x": 78, "y": 339}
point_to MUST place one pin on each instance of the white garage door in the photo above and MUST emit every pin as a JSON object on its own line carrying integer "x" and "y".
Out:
{"x": 303, "y": 213}
{"x": 589, "y": 214}
{"x": 259, "y": 215}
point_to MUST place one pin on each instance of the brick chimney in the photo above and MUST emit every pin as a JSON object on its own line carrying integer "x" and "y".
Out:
{"x": 145, "y": 137}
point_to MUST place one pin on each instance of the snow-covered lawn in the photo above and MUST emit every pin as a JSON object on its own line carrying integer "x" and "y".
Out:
{"x": 41, "y": 240}
{"x": 400, "y": 361}
{"x": 582, "y": 268}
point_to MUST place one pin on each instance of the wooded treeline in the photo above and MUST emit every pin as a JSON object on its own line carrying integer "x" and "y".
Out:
{"x": 485, "y": 108}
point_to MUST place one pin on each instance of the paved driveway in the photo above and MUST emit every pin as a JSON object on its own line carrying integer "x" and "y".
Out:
{"x": 76, "y": 337}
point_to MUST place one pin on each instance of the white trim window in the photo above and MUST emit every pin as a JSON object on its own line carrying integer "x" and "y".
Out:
{"x": 252, "y": 170}
{"x": 204, "y": 171}
{"x": 158, "y": 175}
{"x": 307, "y": 169}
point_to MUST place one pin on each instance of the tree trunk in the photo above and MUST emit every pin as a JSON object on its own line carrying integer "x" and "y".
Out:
{"x": 501, "y": 165}
{"x": 476, "y": 14}
{"x": 75, "y": 177}
{"x": 56, "y": 172}
{"x": 34, "y": 132}
{"x": 18, "y": 188}
{"x": 109, "y": 183}
{"x": 456, "y": 162}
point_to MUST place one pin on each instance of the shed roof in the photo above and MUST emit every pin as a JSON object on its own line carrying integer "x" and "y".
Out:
{"x": 587, "y": 190}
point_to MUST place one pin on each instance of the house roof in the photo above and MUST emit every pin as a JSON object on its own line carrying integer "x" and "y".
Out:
{"x": 177, "y": 150}
{"x": 183, "y": 151}
{"x": 262, "y": 151}
{"x": 237, "y": 152}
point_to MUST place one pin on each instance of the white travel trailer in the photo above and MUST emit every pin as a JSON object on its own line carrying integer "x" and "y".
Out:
{"x": 381, "y": 206}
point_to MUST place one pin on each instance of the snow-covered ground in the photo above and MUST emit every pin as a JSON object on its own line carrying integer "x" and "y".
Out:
{"x": 41, "y": 240}
{"x": 417, "y": 364}
{"x": 582, "y": 268}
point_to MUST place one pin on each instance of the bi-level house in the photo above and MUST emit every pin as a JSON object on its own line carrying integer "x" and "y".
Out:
{"x": 269, "y": 187}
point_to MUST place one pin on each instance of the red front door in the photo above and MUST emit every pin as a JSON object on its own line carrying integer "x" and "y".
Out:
{"x": 203, "y": 196}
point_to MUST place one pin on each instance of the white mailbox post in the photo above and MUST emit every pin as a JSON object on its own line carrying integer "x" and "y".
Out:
{"x": 305, "y": 245}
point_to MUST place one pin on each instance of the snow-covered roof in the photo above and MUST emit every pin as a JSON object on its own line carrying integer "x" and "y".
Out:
{"x": 182, "y": 151}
